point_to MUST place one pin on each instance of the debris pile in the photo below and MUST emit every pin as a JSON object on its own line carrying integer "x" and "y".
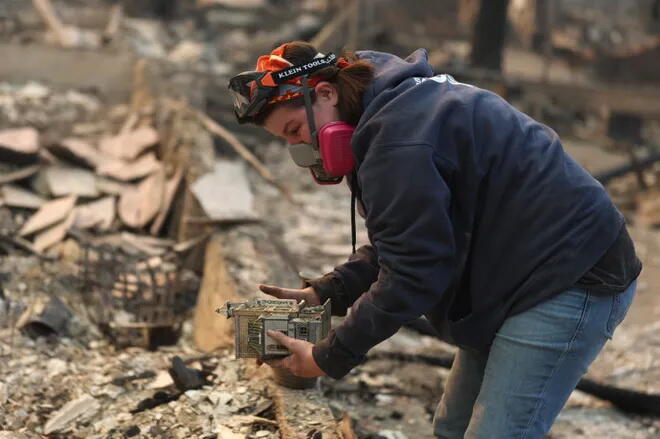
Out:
{"x": 100, "y": 182}
{"x": 132, "y": 207}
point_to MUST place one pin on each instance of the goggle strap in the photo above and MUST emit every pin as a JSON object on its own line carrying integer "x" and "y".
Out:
{"x": 307, "y": 95}
{"x": 305, "y": 69}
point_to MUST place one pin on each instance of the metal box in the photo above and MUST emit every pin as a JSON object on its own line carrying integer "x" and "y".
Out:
{"x": 252, "y": 319}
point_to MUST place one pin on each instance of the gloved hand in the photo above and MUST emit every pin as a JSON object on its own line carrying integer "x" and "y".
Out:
{"x": 307, "y": 294}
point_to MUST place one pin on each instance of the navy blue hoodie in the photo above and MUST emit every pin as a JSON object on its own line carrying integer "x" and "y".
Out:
{"x": 473, "y": 209}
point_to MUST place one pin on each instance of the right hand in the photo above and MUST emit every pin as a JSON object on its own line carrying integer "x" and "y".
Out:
{"x": 307, "y": 294}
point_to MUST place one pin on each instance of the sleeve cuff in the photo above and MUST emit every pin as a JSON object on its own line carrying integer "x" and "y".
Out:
{"x": 333, "y": 358}
{"x": 329, "y": 287}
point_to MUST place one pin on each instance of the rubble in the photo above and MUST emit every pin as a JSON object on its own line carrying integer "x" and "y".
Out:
{"x": 45, "y": 317}
{"x": 77, "y": 410}
{"x": 19, "y": 144}
{"x": 48, "y": 214}
{"x": 15, "y": 196}
{"x": 106, "y": 162}
{"x": 185, "y": 378}
{"x": 225, "y": 194}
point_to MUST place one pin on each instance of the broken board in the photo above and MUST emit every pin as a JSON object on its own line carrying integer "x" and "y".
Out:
{"x": 58, "y": 181}
{"x": 129, "y": 146}
{"x": 80, "y": 152}
{"x": 212, "y": 330}
{"x": 305, "y": 413}
{"x": 127, "y": 171}
{"x": 139, "y": 204}
{"x": 51, "y": 236}
{"x": 50, "y": 213}
{"x": 225, "y": 193}
{"x": 16, "y": 196}
{"x": 98, "y": 214}
{"x": 19, "y": 145}
{"x": 171, "y": 187}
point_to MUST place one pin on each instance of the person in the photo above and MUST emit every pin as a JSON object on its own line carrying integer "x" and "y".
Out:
{"x": 477, "y": 219}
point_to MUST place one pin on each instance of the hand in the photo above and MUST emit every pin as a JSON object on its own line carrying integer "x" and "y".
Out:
{"x": 307, "y": 294}
{"x": 301, "y": 361}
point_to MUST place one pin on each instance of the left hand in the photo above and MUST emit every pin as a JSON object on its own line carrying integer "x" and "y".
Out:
{"x": 301, "y": 361}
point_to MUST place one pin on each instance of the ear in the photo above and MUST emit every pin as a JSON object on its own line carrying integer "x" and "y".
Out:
{"x": 325, "y": 91}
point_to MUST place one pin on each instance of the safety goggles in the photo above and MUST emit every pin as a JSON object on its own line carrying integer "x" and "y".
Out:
{"x": 252, "y": 91}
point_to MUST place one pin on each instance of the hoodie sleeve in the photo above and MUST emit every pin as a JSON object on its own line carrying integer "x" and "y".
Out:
{"x": 348, "y": 281}
{"x": 407, "y": 202}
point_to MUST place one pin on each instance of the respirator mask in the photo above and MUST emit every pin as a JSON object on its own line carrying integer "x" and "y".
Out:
{"x": 276, "y": 80}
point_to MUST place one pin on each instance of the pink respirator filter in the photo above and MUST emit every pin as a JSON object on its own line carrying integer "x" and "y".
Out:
{"x": 335, "y": 148}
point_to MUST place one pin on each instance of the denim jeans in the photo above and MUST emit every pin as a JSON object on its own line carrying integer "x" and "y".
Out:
{"x": 517, "y": 389}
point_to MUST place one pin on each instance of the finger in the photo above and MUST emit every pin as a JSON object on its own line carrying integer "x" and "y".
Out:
{"x": 281, "y": 338}
{"x": 272, "y": 291}
{"x": 280, "y": 293}
{"x": 278, "y": 364}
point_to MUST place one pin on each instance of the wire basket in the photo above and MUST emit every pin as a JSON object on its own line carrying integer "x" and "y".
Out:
{"x": 136, "y": 300}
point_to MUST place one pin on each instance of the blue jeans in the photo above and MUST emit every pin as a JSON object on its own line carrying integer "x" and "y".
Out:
{"x": 517, "y": 389}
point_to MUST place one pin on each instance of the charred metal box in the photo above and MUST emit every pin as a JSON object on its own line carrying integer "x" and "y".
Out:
{"x": 253, "y": 318}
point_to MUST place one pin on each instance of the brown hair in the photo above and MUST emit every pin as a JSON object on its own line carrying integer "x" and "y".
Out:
{"x": 351, "y": 82}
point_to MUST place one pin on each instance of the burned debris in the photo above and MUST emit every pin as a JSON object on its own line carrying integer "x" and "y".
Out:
{"x": 132, "y": 207}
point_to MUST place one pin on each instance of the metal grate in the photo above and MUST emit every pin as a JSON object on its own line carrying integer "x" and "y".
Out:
{"x": 132, "y": 297}
{"x": 255, "y": 328}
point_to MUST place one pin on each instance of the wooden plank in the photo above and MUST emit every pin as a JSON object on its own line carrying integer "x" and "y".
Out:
{"x": 80, "y": 152}
{"x": 50, "y": 213}
{"x": 59, "y": 30}
{"x": 19, "y": 174}
{"x": 98, "y": 214}
{"x": 128, "y": 146}
{"x": 49, "y": 237}
{"x": 116, "y": 14}
{"x": 138, "y": 243}
{"x": 346, "y": 428}
{"x": 210, "y": 329}
{"x": 301, "y": 413}
{"x": 248, "y": 4}
{"x": 16, "y": 196}
{"x": 171, "y": 187}
{"x": 58, "y": 181}
{"x": 19, "y": 144}
{"x": 109, "y": 186}
{"x": 152, "y": 241}
{"x": 139, "y": 204}
{"x": 128, "y": 171}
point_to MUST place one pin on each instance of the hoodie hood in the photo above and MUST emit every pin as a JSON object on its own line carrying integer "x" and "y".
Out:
{"x": 392, "y": 70}
{"x": 393, "y": 77}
